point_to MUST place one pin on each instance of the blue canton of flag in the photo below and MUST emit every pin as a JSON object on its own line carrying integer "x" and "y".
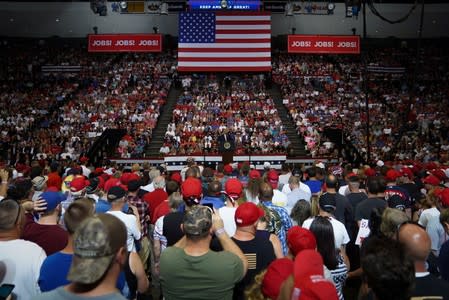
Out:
{"x": 197, "y": 27}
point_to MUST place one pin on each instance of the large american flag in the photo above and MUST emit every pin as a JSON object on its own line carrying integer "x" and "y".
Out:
{"x": 210, "y": 41}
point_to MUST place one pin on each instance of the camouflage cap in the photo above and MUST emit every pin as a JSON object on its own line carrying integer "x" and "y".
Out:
{"x": 95, "y": 243}
{"x": 197, "y": 220}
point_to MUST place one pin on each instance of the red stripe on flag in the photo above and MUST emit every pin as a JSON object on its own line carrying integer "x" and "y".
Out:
{"x": 224, "y": 59}
{"x": 209, "y": 50}
{"x": 241, "y": 22}
{"x": 246, "y": 41}
{"x": 223, "y": 69}
{"x": 239, "y": 31}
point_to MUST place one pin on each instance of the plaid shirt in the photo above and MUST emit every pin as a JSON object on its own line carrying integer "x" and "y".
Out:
{"x": 285, "y": 220}
{"x": 142, "y": 208}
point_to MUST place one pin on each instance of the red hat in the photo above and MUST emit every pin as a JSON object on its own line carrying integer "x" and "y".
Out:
{"x": 392, "y": 175}
{"x": 83, "y": 159}
{"x": 110, "y": 183}
{"x": 299, "y": 239}
{"x": 247, "y": 213}
{"x": 233, "y": 187}
{"x": 432, "y": 180}
{"x": 227, "y": 169}
{"x": 407, "y": 172}
{"x": 370, "y": 172}
{"x": 78, "y": 184}
{"x": 127, "y": 177}
{"x": 191, "y": 188}
{"x": 276, "y": 274}
{"x": 444, "y": 197}
{"x": 176, "y": 177}
{"x": 101, "y": 182}
{"x": 431, "y": 165}
{"x": 309, "y": 280}
{"x": 439, "y": 174}
{"x": 99, "y": 171}
{"x": 253, "y": 174}
{"x": 273, "y": 178}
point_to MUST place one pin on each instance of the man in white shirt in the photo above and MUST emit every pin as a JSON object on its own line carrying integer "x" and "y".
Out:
{"x": 21, "y": 259}
{"x": 117, "y": 198}
{"x": 279, "y": 198}
{"x": 328, "y": 205}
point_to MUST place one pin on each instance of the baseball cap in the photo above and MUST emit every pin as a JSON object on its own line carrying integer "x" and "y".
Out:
{"x": 253, "y": 174}
{"x": 83, "y": 159}
{"x": 247, "y": 213}
{"x": 370, "y": 172}
{"x": 432, "y": 180}
{"x": 95, "y": 244}
{"x": 299, "y": 239}
{"x": 444, "y": 197}
{"x": 380, "y": 163}
{"x": 78, "y": 184}
{"x": 297, "y": 172}
{"x": 227, "y": 169}
{"x": 176, "y": 177}
{"x": 39, "y": 181}
{"x": 93, "y": 185}
{"x": 197, "y": 220}
{"x": 115, "y": 193}
{"x": 439, "y": 173}
{"x": 309, "y": 280}
{"x": 406, "y": 172}
{"x": 191, "y": 188}
{"x": 392, "y": 175}
{"x": 266, "y": 165}
{"x": 110, "y": 183}
{"x": 273, "y": 178}
{"x": 52, "y": 199}
{"x": 127, "y": 177}
{"x": 233, "y": 187}
{"x": 327, "y": 201}
{"x": 396, "y": 202}
{"x": 276, "y": 274}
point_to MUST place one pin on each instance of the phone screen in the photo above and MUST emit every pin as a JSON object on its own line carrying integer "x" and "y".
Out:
{"x": 6, "y": 290}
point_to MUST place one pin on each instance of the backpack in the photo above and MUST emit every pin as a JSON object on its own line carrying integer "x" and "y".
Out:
{"x": 274, "y": 222}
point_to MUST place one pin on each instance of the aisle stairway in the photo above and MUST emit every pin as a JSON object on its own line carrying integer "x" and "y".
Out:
{"x": 153, "y": 148}
{"x": 297, "y": 142}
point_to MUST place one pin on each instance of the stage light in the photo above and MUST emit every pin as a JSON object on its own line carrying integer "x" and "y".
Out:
{"x": 330, "y": 8}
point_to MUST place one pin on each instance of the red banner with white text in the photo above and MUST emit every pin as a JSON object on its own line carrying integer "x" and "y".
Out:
{"x": 125, "y": 43}
{"x": 332, "y": 44}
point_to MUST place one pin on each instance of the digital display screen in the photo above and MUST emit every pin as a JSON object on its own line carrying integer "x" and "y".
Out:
{"x": 248, "y": 5}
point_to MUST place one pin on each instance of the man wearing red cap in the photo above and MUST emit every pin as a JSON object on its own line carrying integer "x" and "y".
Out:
{"x": 255, "y": 245}
{"x": 396, "y": 196}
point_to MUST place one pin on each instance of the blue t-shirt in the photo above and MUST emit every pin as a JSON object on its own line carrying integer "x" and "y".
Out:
{"x": 314, "y": 185}
{"x": 54, "y": 272}
{"x": 217, "y": 202}
{"x": 103, "y": 206}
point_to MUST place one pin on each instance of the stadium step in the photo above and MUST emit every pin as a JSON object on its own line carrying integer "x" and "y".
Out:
{"x": 297, "y": 146}
{"x": 152, "y": 150}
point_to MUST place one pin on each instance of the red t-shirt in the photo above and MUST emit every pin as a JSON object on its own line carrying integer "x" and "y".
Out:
{"x": 52, "y": 238}
{"x": 153, "y": 199}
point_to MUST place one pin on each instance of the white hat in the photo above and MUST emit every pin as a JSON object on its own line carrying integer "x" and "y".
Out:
{"x": 380, "y": 163}
{"x": 266, "y": 165}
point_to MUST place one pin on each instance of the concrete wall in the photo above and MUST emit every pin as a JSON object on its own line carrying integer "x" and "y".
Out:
{"x": 75, "y": 19}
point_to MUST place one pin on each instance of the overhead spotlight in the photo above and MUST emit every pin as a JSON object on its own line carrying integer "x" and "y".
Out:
{"x": 289, "y": 9}
{"x": 123, "y": 5}
{"x": 330, "y": 8}
{"x": 164, "y": 8}
{"x": 224, "y": 4}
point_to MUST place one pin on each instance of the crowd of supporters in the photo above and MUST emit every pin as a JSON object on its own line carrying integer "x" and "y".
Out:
{"x": 207, "y": 111}
{"x": 250, "y": 227}
{"x": 406, "y": 101}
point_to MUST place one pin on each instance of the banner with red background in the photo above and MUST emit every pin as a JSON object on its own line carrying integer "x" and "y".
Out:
{"x": 332, "y": 44}
{"x": 125, "y": 43}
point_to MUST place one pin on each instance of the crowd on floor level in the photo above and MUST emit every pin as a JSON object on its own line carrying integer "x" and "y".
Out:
{"x": 226, "y": 231}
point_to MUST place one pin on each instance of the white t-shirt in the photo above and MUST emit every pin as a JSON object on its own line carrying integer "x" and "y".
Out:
{"x": 131, "y": 228}
{"x": 283, "y": 178}
{"x": 340, "y": 233}
{"x": 428, "y": 214}
{"x": 286, "y": 188}
{"x": 23, "y": 261}
{"x": 279, "y": 198}
{"x": 227, "y": 214}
